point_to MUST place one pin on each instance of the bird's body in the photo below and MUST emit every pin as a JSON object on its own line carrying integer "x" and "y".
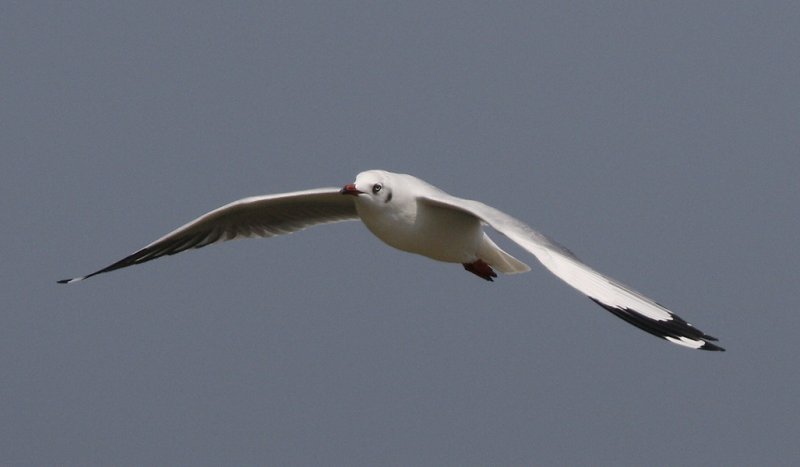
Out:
{"x": 448, "y": 236}
{"x": 442, "y": 234}
{"x": 414, "y": 216}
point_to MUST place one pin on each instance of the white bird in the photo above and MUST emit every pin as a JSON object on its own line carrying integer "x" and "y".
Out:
{"x": 414, "y": 216}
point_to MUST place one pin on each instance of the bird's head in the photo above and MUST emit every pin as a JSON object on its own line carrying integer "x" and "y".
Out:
{"x": 372, "y": 187}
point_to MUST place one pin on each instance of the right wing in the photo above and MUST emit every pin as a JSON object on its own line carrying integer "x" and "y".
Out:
{"x": 258, "y": 216}
{"x": 610, "y": 294}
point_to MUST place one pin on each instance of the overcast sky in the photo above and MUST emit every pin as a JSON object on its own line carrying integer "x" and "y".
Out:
{"x": 659, "y": 142}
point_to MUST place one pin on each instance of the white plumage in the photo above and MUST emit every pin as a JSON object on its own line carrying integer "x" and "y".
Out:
{"x": 412, "y": 215}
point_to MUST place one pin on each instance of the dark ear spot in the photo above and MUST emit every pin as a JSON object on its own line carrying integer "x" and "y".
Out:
{"x": 388, "y": 197}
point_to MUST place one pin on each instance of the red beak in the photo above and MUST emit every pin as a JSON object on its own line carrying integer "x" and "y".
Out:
{"x": 350, "y": 190}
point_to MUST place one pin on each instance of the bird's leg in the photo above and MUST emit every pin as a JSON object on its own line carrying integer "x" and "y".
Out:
{"x": 481, "y": 269}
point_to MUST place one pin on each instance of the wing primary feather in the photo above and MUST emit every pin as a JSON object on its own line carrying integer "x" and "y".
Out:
{"x": 263, "y": 216}
{"x": 615, "y": 297}
{"x": 676, "y": 328}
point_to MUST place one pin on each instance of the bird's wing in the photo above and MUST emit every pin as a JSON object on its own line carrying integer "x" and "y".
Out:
{"x": 258, "y": 216}
{"x": 615, "y": 297}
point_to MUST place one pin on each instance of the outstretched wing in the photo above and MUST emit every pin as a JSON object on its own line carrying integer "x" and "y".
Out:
{"x": 617, "y": 298}
{"x": 258, "y": 216}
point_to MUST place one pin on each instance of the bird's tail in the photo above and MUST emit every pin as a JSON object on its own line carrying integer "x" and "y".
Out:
{"x": 499, "y": 259}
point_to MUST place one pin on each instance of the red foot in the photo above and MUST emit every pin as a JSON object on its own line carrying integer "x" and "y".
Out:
{"x": 481, "y": 269}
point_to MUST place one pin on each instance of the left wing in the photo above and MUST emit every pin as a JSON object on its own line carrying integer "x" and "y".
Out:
{"x": 615, "y": 297}
{"x": 257, "y": 216}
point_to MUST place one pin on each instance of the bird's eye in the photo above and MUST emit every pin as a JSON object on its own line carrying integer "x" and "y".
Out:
{"x": 376, "y": 188}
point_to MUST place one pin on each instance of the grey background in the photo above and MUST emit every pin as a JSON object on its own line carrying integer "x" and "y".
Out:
{"x": 659, "y": 141}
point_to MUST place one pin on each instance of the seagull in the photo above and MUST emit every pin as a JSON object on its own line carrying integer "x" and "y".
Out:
{"x": 414, "y": 216}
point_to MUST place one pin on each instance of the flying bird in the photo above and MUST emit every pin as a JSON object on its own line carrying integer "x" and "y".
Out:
{"x": 414, "y": 216}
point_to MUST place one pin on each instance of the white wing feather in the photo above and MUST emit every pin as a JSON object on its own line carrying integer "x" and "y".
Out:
{"x": 258, "y": 216}
{"x": 615, "y": 297}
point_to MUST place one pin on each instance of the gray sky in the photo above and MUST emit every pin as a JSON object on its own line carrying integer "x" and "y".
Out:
{"x": 659, "y": 142}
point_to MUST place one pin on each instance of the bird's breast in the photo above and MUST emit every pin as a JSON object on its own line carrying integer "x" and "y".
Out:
{"x": 438, "y": 233}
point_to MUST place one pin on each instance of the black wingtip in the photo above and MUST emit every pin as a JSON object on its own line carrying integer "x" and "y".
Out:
{"x": 675, "y": 330}
{"x": 711, "y": 347}
{"x": 74, "y": 279}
